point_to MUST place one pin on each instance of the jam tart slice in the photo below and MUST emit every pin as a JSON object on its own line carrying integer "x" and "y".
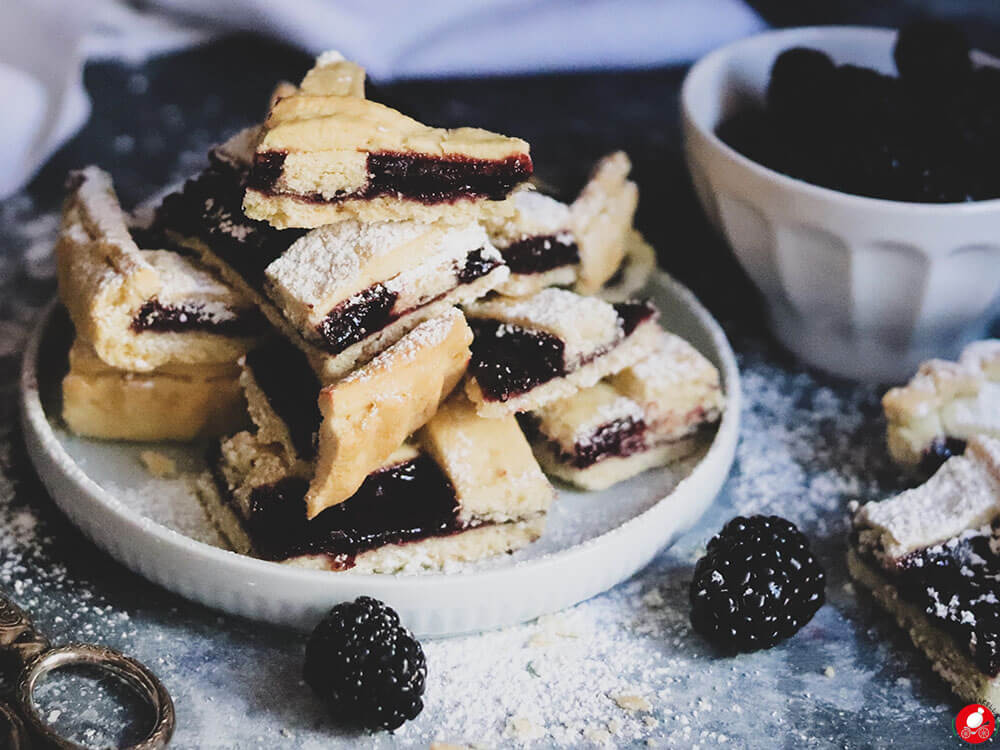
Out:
{"x": 537, "y": 244}
{"x": 531, "y": 351}
{"x": 174, "y": 402}
{"x": 341, "y": 293}
{"x": 414, "y": 511}
{"x": 341, "y": 284}
{"x": 353, "y": 425}
{"x": 326, "y": 154}
{"x": 601, "y": 221}
{"x": 931, "y": 557}
{"x": 944, "y": 405}
{"x": 142, "y": 309}
{"x": 649, "y": 414}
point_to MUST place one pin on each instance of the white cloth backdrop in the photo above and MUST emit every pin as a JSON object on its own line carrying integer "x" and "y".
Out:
{"x": 44, "y": 44}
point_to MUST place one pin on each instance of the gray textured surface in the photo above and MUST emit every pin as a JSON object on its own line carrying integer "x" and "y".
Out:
{"x": 810, "y": 444}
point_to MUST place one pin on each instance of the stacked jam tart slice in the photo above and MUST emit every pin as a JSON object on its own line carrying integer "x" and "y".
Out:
{"x": 157, "y": 337}
{"x": 931, "y": 557}
{"x": 418, "y": 308}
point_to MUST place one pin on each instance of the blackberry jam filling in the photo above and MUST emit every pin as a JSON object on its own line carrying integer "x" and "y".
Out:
{"x": 508, "y": 360}
{"x": 407, "y": 502}
{"x": 283, "y": 373}
{"x": 956, "y": 585}
{"x": 475, "y": 267}
{"x": 540, "y": 254}
{"x": 620, "y": 438}
{"x": 633, "y": 314}
{"x": 372, "y": 310}
{"x": 154, "y": 316}
{"x": 210, "y": 208}
{"x": 355, "y": 319}
{"x": 427, "y": 179}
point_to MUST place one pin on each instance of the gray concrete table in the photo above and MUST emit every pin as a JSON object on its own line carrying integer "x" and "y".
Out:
{"x": 623, "y": 669}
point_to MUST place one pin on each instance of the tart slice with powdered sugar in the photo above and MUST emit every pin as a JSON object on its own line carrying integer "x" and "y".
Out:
{"x": 345, "y": 430}
{"x": 601, "y": 221}
{"x": 944, "y": 405}
{"x": 140, "y": 309}
{"x": 537, "y": 244}
{"x": 931, "y": 557}
{"x": 460, "y": 489}
{"x": 327, "y": 154}
{"x": 532, "y": 351}
{"x": 649, "y": 414}
{"x": 341, "y": 293}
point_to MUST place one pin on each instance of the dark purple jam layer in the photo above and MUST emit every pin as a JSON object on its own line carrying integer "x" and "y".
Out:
{"x": 292, "y": 389}
{"x": 957, "y": 584}
{"x": 508, "y": 360}
{"x": 357, "y": 318}
{"x": 404, "y": 503}
{"x": 372, "y": 310}
{"x": 634, "y": 313}
{"x": 540, "y": 254}
{"x": 427, "y": 179}
{"x": 476, "y": 266}
{"x": 619, "y": 438}
{"x": 210, "y": 208}
{"x": 153, "y": 316}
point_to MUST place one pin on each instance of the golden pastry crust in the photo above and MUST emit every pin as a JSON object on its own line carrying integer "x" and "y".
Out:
{"x": 288, "y": 211}
{"x": 676, "y": 387}
{"x": 105, "y": 280}
{"x": 614, "y": 469}
{"x": 945, "y": 400}
{"x": 661, "y": 402}
{"x": 488, "y": 462}
{"x": 324, "y": 132}
{"x": 177, "y": 403}
{"x": 601, "y": 220}
{"x": 369, "y": 414}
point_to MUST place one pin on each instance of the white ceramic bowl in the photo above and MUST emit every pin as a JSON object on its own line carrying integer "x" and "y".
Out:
{"x": 860, "y": 287}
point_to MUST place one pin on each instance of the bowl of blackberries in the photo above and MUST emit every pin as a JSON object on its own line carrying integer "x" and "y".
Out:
{"x": 855, "y": 172}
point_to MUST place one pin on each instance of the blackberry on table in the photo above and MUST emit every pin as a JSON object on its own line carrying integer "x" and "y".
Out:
{"x": 757, "y": 584}
{"x": 367, "y": 667}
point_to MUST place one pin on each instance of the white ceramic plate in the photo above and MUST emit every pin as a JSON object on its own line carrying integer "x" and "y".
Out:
{"x": 593, "y": 540}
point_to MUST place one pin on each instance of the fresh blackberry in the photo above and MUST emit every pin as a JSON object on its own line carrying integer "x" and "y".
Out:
{"x": 932, "y": 55}
{"x": 367, "y": 667}
{"x": 757, "y": 585}
{"x": 798, "y": 83}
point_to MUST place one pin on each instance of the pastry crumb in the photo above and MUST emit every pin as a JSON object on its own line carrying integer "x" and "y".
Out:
{"x": 597, "y": 735}
{"x": 653, "y": 599}
{"x": 158, "y": 464}
{"x": 524, "y": 729}
{"x": 650, "y": 721}
{"x": 829, "y": 671}
{"x": 632, "y": 703}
